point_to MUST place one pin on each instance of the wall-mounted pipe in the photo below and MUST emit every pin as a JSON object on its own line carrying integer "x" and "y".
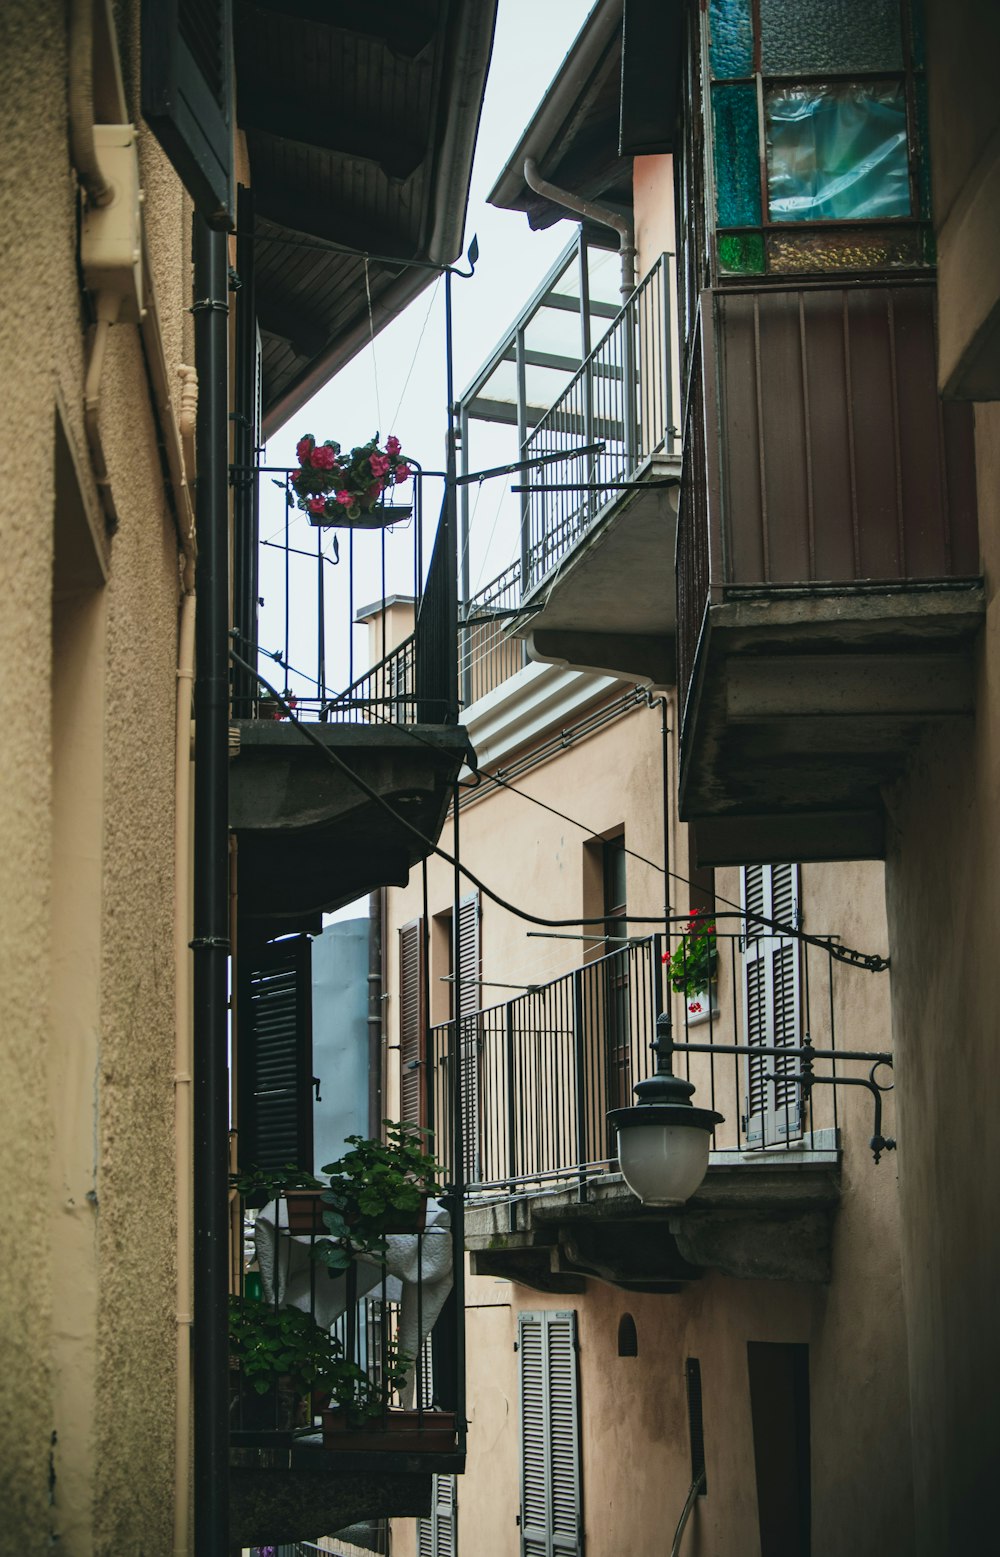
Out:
{"x": 81, "y": 103}
{"x": 592, "y": 212}
{"x": 183, "y": 1116}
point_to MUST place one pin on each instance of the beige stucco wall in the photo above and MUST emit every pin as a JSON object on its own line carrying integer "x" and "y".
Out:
{"x": 636, "y": 1466}
{"x": 943, "y": 872}
{"x": 87, "y": 1330}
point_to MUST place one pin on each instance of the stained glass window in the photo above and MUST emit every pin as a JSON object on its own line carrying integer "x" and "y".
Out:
{"x": 737, "y": 164}
{"x": 836, "y": 152}
{"x": 742, "y": 253}
{"x": 829, "y": 36}
{"x": 849, "y": 248}
{"x": 730, "y": 38}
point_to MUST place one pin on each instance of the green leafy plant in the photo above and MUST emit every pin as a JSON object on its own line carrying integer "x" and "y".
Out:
{"x": 254, "y": 1181}
{"x": 271, "y": 1343}
{"x": 372, "y": 1187}
{"x": 361, "y": 1398}
{"x": 692, "y": 966}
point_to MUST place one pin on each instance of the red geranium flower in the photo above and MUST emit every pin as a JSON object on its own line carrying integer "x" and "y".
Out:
{"x": 323, "y": 458}
{"x": 392, "y": 444}
{"x": 303, "y": 448}
{"x": 317, "y": 505}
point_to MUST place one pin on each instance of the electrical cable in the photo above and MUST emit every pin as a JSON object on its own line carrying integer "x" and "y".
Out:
{"x": 871, "y": 963}
{"x": 416, "y": 349}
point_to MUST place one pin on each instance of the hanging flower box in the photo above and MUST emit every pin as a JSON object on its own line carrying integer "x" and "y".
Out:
{"x": 394, "y": 1431}
{"x": 335, "y": 489}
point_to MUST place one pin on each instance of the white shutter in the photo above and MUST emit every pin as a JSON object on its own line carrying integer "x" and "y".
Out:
{"x": 772, "y": 1003}
{"x": 436, "y": 1535}
{"x": 551, "y": 1522}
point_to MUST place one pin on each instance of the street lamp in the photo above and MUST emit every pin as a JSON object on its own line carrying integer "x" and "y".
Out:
{"x": 663, "y": 1139}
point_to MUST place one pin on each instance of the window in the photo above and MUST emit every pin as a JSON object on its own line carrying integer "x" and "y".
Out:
{"x": 617, "y": 1026}
{"x": 818, "y": 121}
{"x": 771, "y": 1004}
{"x": 551, "y": 1503}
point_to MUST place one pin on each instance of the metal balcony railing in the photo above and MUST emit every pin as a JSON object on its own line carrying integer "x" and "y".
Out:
{"x": 406, "y": 1350}
{"x": 488, "y": 655}
{"x": 333, "y": 600}
{"x": 623, "y": 397}
{"x": 541, "y": 1071}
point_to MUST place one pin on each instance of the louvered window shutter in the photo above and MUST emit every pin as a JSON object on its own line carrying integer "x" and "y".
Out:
{"x": 772, "y": 1003}
{"x": 437, "y": 1536}
{"x": 470, "y": 1025}
{"x": 551, "y": 1502}
{"x": 274, "y": 1055}
{"x": 412, "y": 1086}
{"x": 187, "y": 93}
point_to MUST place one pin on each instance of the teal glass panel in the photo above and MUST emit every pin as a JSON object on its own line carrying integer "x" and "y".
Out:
{"x": 737, "y": 156}
{"x": 821, "y": 37}
{"x": 741, "y": 253}
{"x": 730, "y": 32}
{"x": 836, "y": 152}
{"x": 923, "y": 149}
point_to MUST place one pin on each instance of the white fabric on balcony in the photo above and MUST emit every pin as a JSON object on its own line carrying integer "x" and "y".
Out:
{"x": 418, "y": 1268}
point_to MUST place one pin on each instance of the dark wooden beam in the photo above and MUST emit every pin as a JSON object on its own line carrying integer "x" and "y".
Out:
{"x": 406, "y": 27}
{"x": 398, "y": 150}
{"x": 353, "y": 227}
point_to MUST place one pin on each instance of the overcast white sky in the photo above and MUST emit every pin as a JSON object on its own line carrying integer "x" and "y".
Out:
{"x": 400, "y": 387}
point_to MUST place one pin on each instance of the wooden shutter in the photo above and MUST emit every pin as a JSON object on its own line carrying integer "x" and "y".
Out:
{"x": 551, "y": 1503}
{"x": 469, "y": 1003}
{"x": 187, "y": 91}
{"x": 437, "y": 1536}
{"x": 412, "y": 1021}
{"x": 274, "y": 1126}
{"x": 772, "y": 1003}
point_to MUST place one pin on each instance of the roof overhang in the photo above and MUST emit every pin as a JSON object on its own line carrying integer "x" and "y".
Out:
{"x": 613, "y": 97}
{"x": 360, "y": 123}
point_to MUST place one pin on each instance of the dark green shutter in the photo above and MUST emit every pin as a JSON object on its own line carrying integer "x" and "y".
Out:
{"x": 187, "y": 94}
{"x": 412, "y": 1019}
{"x": 469, "y": 1003}
{"x": 772, "y": 1004}
{"x": 274, "y": 1056}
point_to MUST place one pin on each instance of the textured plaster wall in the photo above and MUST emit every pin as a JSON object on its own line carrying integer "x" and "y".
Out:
{"x": 106, "y": 1378}
{"x": 636, "y": 1465}
{"x": 943, "y": 875}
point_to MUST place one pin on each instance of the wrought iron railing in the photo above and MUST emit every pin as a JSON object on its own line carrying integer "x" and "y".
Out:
{"x": 541, "y": 1071}
{"x": 335, "y": 598}
{"x": 398, "y": 1355}
{"x": 622, "y": 397}
{"x": 488, "y": 655}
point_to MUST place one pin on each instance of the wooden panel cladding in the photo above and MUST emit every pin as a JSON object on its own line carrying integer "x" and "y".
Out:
{"x": 839, "y": 462}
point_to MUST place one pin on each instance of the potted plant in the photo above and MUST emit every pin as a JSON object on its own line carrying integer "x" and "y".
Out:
{"x": 376, "y": 1188}
{"x": 360, "y": 1415}
{"x": 280, "y": 1358}
{"x": 259, "y": 1185}
{"x": 691, "y": 968}
{"x": 334, "y": 488}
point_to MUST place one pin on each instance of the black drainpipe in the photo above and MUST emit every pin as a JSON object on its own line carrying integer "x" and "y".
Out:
{"x": 211, "y": 902}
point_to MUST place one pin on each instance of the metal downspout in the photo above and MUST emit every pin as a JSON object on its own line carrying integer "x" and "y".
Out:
{"x": 593, "y": 212}
{"x": 211, "y": 903}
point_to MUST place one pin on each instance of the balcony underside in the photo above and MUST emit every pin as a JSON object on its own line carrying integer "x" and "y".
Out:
{"x": 805, "y": 705}
{"x": 768, "y": 1218}
{"x": 309, "y": 840}
{"x": 304, "y": 1492}
{"x": 609, "y": 604}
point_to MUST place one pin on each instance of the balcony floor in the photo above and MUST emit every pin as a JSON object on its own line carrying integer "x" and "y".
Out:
{"x": 805, "y": 704}
{"x": 609, "y": 603}
{"x": 761, "y": 1216}
{"x": 301, "y": 1491}
{"x": 309, "y": 839}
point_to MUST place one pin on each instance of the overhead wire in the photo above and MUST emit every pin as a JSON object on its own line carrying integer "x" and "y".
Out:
{"x": 846, "y": 954}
